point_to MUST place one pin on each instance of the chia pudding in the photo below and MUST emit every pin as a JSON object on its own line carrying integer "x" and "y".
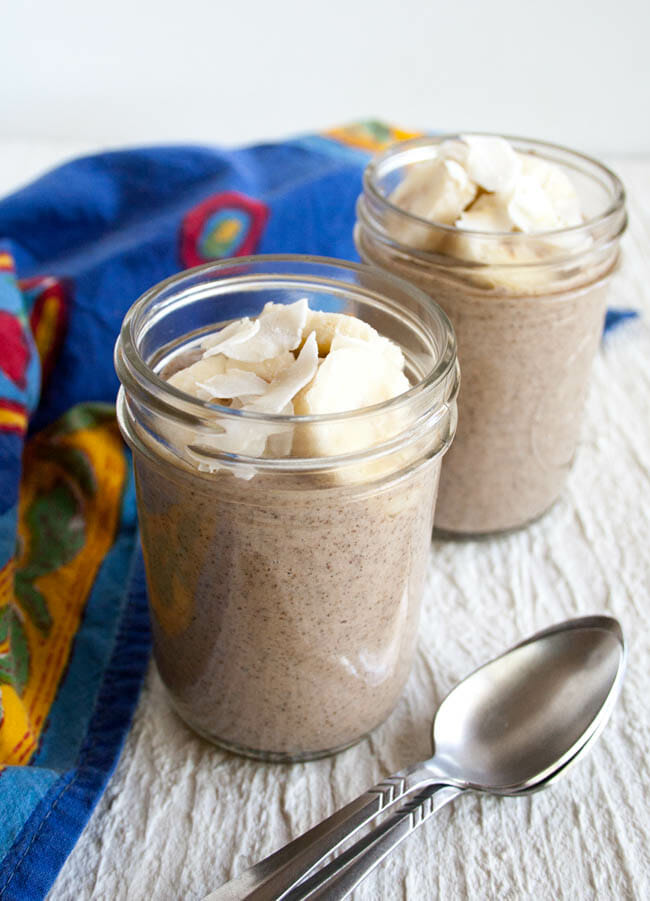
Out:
{"x": 523, "y": 279}
{"x": 285, "y": 577}
{"x": 284, "y": 622}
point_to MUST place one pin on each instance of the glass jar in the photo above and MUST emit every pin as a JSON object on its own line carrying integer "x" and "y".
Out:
{"x": 528, "y": 313}
{"x": 284, "y": 590}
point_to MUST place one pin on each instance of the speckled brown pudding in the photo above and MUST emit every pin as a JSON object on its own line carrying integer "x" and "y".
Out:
{"x": 284, "y": 622}
{"x": 525, "y": 365}
{"x": 526, "y": 372}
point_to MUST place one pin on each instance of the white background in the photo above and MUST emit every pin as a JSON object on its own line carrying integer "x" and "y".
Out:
{"x": 85, "y": 74}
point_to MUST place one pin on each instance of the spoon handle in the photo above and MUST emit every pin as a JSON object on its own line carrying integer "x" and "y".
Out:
{"x": 339, "y": 878}
{"x": 272, "y": 878}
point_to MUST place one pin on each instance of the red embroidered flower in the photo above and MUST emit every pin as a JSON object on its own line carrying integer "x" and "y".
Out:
{"x": 14, "y": 350}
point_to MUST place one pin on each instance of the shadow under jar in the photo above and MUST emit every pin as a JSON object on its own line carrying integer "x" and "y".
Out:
{"x": 528, "y": 313}
{"x": 284, "y": 591}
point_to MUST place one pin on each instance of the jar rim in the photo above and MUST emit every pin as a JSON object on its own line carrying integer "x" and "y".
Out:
{"x": 136, "y": 375}
{"x": 371, "y": 173}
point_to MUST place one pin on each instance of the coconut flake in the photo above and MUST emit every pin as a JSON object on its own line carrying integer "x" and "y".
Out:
{"x": 280, "y": 329}
{"x": 454, "y": 149}
{"x": 190, "y": 378}
{"x": 242, "y": 437}
{"x": 492, "y": 162}
{"x": 233, "y": 384}
{"x": 291, "y": 381}
{"x": 238, "y": 332}
{"x": 437, "y": 190}
{"x": 265, "y": 369}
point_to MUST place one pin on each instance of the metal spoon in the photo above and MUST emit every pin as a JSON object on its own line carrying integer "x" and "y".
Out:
{"x": 336, "y": 880}
{"x": 513, "y": 726}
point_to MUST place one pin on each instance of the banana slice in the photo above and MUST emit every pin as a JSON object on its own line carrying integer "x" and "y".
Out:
{"x": 530, "y": 208}
{"x": 534, "y": 205}
{"x": 330, "y": 326}
{"x": 489, "y": 213}
{"x": 355, "y": 374}
{"x": 506, "y": 260}
{"x": 326, "y": 325}
{"x": 557, "y": 186}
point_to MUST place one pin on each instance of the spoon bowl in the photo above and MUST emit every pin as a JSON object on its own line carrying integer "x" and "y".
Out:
{"x": 517, "y": 720}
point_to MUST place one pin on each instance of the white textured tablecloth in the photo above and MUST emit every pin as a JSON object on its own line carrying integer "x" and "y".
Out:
{"x": 179, "y": 816}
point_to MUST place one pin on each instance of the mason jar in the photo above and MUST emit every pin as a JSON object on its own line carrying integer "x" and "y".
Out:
{"x": 528, "y": 312}
{"x": 284, "y": 590}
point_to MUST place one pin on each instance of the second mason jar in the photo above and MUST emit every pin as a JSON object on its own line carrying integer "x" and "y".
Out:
{"x": 528, "y": 313}
{"x": 285, "y": 590}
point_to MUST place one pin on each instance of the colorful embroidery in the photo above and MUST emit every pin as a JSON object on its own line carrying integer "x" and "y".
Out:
{"x": 370, "y": 135}
{"x": 73, "y": 478}
{"x": 13, "y": 416}
{"x": 20, "y": 370}
{"x": 228, "y": 224}
{"x": 47, "y": 306}
{"x": 14, "y": 350}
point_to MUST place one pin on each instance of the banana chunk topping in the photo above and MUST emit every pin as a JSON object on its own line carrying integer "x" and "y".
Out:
{"x": 292, "y": 360}
{"x": 481, "y": 183}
